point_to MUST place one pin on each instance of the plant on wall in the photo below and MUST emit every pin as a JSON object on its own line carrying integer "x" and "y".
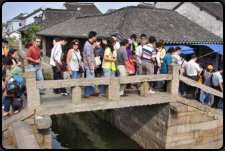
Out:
{"x": 30, "y": 34}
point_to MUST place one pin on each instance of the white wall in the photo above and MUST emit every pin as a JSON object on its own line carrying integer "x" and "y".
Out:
{"x": 202, "y": 18}
{"x": 30, "y": 19}
{"x": 167, "y": 5}
{"x": 15, "y": 34}
{"x": 15, "y": 25}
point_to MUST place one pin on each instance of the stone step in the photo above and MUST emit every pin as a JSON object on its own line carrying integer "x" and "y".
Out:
{"x": 24, "y": 137}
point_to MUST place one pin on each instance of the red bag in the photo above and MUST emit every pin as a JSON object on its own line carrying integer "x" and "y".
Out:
{"x": 131, "y": 67}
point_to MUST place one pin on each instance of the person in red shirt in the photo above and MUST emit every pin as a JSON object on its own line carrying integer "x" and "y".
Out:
{"x": 34, "y": 60}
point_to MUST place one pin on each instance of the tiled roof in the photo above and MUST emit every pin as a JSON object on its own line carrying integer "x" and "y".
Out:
{"x": 35, "y": 11}
{"x": 214, "y": 9}
{"x": 53, "y": 16}
{"x": 164, "y": 24}
{"x": 110, "y": 10}
{"x": 86, "y": 9}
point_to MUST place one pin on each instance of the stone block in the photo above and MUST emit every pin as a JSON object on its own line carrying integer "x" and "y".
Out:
{"x": 196, "y": 134}
{"x": 220, "y": 121}
{"x": 177, "y": 107}
{"x": 150, "y": 144}
{"x": 47, "y": 138}
{"x": 46, "y": 146}
{"x": 191, "y": 109}
{"x": 173, "y": 85}
{"x": 179, "y": 137}
{"x": 144, "y": 89}
{"x": 180, "y": 143}
{"x": 178, "y": 121}
{"x": 4, "y": 142}
{"x": 48, "y": 84}
{"x": 214, "y": 145}
{"x": 30, "y": 73}
{"x": 199, "y": 139}
{"x": 211, "y": 132}
{"x": 34, "y": 129}
{"x": 76, "y": 95}
{"x": 33, "y": 94}
{"x": 189, "y": 146}
{"x": 6, "y": 134}
{"x": 192, "y": 127}
{"x": 207, "y": 140}
{"x": 200, "y": 118}
{"x": 123, "y": 128}
{"x": 113, "y": 90}
{"x": 30, "y": 121}
{"x": 187, "y": 119}
{"x": 43, "y": 123}
{"x": 39, "y": 138}
{"x": 188, "y": 113}
{"x": 15, "y": 142}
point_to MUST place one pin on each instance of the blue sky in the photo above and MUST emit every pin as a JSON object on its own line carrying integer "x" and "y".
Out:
{"x": 12, "y": 9}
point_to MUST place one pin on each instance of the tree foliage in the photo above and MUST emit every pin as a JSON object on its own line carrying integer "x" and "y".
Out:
{"x": 31, "y": 33}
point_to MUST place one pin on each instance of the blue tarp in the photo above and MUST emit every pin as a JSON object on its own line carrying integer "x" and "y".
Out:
{"x": 214, "y": 47}
{"x": 184, "y": 49}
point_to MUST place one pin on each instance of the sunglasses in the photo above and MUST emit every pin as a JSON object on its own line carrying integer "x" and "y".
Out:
{"x": 76, "y": 44}
{"x": 38, "y": 41}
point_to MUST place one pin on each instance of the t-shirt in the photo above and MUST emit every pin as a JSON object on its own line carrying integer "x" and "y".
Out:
{"x": 121, "y": 56}
{"x": 138, "y": 52}
{"x": 88, "y": 51}
{"x": 56, "y": 54}
{"x": 74, "y": 66}
{"x": 162, "y": 54}
{"x": 166, "y": 61}
{"x": 107, "y": 64}
{"x": 191, "y": 68}
{"x": 217, "y": 79}
{"x": 135, "y": 46}
{"x": 207, "y": 78}
{"x": 101, "y": 52}
{"x": 183, "y": 64}
{"x": 116, "y": 47}
{"x": 14, "y": 71}
{"x": 129, "y": 53}
{"x": 176, "y": 59}
{"x": 148, "y": 53}
{"x": 34, "y": 53}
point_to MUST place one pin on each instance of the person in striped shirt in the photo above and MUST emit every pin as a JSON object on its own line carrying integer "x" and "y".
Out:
{"x": 148, "y": 59}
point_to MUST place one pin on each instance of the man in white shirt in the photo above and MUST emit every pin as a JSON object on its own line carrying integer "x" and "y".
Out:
{"x": 115, "y": 51}
{"x": 183, "y": 69}
{"x": 192, "y": 70}
{"x": 157, "y": 64}
{"x": 56, "y": 56}
{"x": 217, "y": 84}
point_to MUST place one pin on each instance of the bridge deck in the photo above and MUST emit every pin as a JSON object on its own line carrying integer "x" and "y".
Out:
{"x": 57, "y": 104}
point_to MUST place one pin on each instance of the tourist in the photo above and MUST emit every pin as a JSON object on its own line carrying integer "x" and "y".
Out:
{"x": 207, "y": 80}
{"x": 99, "y": 64}
{"x": 157, "y": 64}
{"x": 201, "y": 73}
{"x": 13, "y": 55}
{"x": 149, "y": 55}
{"x": 176, "y": 59}
{"x": 89, "y": 64}
{"x": 11, "y": 71}
{"x": 143, "y": 36}
{"x": 106, "y": 65}
{"x": 217, "y": 84}
{"x": 74, "y": 60}
{"x": 133, "y": 37}
{"x": 116, "y": 47}
{"x": 122, "y": 64}
{"x": 167, "y": 60}
{"x": 34, "y": 60}
{"x": 56, "y": 57}
{"x": 192, "y": 70}
{"x": 162, "y": 55}
{"x": 131, "y": 63}
{"x": 139, "y": 59}
{"x": 183, "y": 69}
{"x": 101, "y": 52}
{"x": 54, "y": 41}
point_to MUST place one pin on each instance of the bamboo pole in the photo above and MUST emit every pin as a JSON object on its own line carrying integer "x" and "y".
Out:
{"x": 209, "y": 53}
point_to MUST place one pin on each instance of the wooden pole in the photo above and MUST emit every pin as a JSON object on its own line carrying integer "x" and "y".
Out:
{"x": 209, "y": 53}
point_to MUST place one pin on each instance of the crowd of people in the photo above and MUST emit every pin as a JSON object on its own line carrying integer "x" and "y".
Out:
{"x": 111, "y": 58}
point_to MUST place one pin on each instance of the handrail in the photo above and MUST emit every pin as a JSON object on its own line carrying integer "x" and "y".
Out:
{"x": 201, "y": 86}
{"x": 47, "y": 84}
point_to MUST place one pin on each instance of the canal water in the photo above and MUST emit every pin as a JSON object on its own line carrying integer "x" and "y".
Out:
{"x": 86, "y": 131}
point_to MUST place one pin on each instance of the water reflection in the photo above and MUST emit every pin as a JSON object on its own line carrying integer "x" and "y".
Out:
{"x": 86, "y": 131}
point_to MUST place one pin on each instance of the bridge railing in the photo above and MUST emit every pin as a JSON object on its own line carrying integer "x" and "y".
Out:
{"x": 112, "y": 90}
{"x": 201, "y": 86}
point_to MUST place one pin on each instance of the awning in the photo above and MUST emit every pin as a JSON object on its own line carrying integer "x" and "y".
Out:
{"x": 214, "y": 47}
{"x": 184, "y": 49}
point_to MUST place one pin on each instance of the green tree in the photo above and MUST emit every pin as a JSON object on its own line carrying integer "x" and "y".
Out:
{"x": 31, "y": 33}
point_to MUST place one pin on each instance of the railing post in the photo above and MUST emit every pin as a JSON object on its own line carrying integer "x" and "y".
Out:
{"x": 144, "y": 89}
{"x": 33, "y": 95}
{"x": 173, "y": 85}
{"x": 113, "y": 90}
{"x": 76, "y": 95}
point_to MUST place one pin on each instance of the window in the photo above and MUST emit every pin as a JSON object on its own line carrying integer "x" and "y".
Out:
{"x": 19, "y": 24}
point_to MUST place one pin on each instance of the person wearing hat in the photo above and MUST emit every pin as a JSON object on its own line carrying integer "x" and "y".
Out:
{"x": 208, "y": 82}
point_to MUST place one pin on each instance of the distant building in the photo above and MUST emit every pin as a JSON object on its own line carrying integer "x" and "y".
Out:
{"x": 206, "y": 14}
{"x": 84, "y": 8}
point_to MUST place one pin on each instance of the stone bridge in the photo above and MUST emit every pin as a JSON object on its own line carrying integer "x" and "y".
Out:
{"x": 56, "y": 104}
